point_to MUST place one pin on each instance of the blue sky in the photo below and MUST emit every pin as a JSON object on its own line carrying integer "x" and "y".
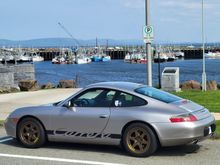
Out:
{"x": 173, "y": 20}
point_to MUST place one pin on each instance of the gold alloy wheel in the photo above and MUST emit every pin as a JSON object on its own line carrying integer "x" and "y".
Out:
{"x": 138, "y": 140}
{"x": 29, "y": 133}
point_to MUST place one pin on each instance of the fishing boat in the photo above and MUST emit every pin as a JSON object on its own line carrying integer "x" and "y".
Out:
{"x": 135, "y": 57}
{"x": 59, "y": 60}
{"x": 127, "y": 58}
{"x": 162, "y": 57}
{"x": 212, "y": 55}
{"x": 179, "y": 54}
{"x": 9, "y": 58}
{"x": 37, "y": 58}
{"x": 106, "y": 58}
{"x": 96, "y": 58}
{"x": 1, "y": 58}
{"x": 82, "y": 60}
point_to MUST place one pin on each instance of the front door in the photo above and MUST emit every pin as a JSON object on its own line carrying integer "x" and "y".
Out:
{"x": 84, "y": 116}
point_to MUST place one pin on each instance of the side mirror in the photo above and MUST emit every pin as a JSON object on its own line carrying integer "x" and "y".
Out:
{"x": 67, "y": 104}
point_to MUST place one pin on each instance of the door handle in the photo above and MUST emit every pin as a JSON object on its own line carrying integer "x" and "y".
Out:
{"x": 103, "y": 116}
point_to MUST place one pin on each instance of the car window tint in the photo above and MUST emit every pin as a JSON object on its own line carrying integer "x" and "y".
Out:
{"x": 94, "y": 98}
{"x": 158, "y": 94}
{"x": 91, "y": 94}
{"x": 127, "y": 100}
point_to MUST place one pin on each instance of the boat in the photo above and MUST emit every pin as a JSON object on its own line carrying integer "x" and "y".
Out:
{"x": 9, "y": 58}
{"x": 179, "y": 54}
{"x": 96, "y": 58}
{"x": 171, "y": 58}
{"x": 22, "y": 56}
{"x": 1, "y": 58}
{"x": 37, "y": 58}
{"x": 59, "y": 60}
{"x": 127, "y": 58}
{"x": 82, "y": 60}
{"x": 143, "y": 60}
{"x": 135, "y": 57}
{"x": 106, "y": 58}
{"x": 161, "y": 58}
{"x": 212, "y": 55}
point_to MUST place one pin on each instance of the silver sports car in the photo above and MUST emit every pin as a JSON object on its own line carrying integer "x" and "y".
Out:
{"x": 138, "y": 117}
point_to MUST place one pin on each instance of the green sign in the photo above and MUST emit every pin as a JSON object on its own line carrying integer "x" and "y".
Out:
{"x": 148, "y": 33}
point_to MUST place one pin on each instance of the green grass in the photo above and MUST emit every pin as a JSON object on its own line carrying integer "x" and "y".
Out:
{"x": 209, "y": 99}
{"x": 1, "y": 123}
{"x": 217, "y": 127}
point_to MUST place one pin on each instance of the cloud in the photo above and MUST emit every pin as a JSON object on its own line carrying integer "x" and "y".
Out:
{"x": 137, "y": 4}
{"x": 170, "y": 20}
{"x": 187, "y": 4}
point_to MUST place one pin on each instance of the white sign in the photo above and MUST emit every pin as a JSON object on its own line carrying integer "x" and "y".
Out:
{"x": 148, "y": 33}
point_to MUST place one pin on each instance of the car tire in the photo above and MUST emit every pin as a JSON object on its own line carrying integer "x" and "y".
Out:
{"x": 139, "y": 140}
{"x": 30, "y": 133}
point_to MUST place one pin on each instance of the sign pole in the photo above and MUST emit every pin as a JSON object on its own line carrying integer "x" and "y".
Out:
{"x": 148, "y": 45}
{"x": 203, "y": 51}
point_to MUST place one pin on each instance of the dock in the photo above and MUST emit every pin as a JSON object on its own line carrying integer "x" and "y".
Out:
{"x": 116, "y": 53}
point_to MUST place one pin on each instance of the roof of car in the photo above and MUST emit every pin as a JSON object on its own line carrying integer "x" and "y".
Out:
{"x": 117, "y": 84}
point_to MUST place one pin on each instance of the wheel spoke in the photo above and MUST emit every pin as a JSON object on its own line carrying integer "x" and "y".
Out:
{"x": 34, "y": 137}
{"x": 136, "y": 133}
{"x": 135, "y": 144}
{"x": 26, "y": 128}
{"x": 144, "y": 141}
{"x": 29, "y": 139}
{"x": 25, "y": 134}
{"x": 132, "y": 139}
{"x": 140, "y": 146}
{"x": 35, "y": 131}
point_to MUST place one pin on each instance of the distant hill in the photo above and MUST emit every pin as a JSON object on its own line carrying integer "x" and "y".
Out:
{"x": 68, "y": 42}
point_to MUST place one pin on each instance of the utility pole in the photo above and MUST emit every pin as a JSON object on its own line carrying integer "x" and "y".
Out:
{"x": 148, "y": 45}
{"x": 159, "y": 76}
{"x": 203, "y": 51}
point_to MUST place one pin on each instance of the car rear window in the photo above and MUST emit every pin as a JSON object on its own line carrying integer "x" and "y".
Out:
{"x": 157, "y": 94}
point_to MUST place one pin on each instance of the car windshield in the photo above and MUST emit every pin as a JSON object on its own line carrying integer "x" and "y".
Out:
{"x": 157, "y": 94}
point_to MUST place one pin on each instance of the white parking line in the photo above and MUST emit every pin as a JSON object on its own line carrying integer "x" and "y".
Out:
{"x": 57, "y": 159}
{"x": 5, "y": 139}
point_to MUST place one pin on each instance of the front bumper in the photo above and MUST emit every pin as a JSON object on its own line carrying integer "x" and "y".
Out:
{"x": 10, "y": 127}
{"x": 172, "y": 134}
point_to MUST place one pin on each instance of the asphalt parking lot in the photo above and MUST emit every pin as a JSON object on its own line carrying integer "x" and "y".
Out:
{"x": 11, "y": 152}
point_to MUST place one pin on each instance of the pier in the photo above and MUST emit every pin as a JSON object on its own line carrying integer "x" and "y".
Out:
{"x": 116, "y": 53}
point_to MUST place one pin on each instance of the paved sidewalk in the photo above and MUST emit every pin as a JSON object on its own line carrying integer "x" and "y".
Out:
{"x": 11, "y": 101}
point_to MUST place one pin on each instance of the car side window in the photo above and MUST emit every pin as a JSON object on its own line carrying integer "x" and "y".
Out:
{"x": 128, "y": 100}
{"x": 94, "y": 98}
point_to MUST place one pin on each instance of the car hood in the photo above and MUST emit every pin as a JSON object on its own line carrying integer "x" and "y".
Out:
{"x": 32, "y": 110}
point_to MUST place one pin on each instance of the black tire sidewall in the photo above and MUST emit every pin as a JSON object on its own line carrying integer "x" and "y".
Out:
{"x": 42, "y": 137}
{"x": 153, "y": 145}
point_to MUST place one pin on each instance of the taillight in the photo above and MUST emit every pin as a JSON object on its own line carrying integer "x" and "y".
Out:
{"x": 185, "y": 118}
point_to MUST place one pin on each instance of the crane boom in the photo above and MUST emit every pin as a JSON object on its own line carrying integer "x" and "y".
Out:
{"x": 67, "y": 32}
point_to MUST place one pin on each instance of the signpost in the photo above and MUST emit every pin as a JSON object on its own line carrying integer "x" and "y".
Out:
{"x": 148, "y": 33}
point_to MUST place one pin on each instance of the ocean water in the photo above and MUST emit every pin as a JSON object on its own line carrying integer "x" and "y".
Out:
{"x": 117, "y": 70}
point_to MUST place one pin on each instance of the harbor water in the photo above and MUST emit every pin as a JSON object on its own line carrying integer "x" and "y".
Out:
{"x": 117, "y": 70}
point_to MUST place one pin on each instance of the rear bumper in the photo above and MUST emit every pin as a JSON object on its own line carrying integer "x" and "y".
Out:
{"x": 172, "y": 134}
